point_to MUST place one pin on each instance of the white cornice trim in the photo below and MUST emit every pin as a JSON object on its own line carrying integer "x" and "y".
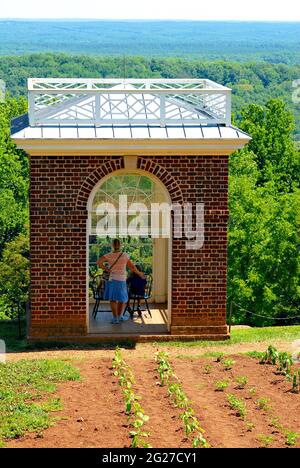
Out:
{"x": 124, "y": 147}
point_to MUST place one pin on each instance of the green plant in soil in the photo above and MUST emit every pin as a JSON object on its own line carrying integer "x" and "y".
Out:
{"x": 250, "y": 426}
{"x": 177, "y": 395}
{"x": 137, "y": 422}
{"x": 164, "y": 369}
{"x": 218, "y": 356}
{"x": 285, "y": 362}
{"x": 291, "y": 438}
{"x": 270, "y": 356}
{"x": 252, "y": 391}
{"x": 221, "y": 385}
{"x": 276, "y": 423}
{"x": 266, "y": 441}
{"x": 192, "y": 426}
{"x": 207, "y": 368}
{"x": 228, "y": 364}
{"x": 133, "y": 409}
{"x": 237, "y": 405}
{"x": 263, "y": 403}
{"x": 241, "y": 382}
{"x": 296, "y": 382}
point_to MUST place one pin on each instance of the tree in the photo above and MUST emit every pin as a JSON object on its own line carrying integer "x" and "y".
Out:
{"x": 14, "y": 275}
{"x": 276, "y": 155}
{"x": 13, "y": 176}
{"x": 264, "y": 203}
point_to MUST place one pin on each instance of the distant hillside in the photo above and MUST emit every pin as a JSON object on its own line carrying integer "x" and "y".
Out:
{"x": 254, "y": 82}
{"x": 239, "y": 41}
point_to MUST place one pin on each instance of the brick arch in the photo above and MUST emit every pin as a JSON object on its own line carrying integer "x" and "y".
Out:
{"x": 113, "y": 165}
{"x": 106, "y": 168}
{"x": 148, "y": 165}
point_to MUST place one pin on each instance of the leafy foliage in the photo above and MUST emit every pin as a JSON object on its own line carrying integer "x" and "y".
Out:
{"x": 264, "y": 203}
{"x": 252, "y": 82}
{"x": 14, "y": 276}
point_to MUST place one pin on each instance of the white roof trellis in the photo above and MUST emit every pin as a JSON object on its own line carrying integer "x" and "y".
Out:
{"x": 102, "y": 102}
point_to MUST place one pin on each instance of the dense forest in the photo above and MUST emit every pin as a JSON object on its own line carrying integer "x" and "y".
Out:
{"x": 264, "y": 192}
{"x": 255, "y": 82}
{"x": 273, "y": 42}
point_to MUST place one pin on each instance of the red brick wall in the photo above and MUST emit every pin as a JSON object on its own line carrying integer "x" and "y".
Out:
{"x": 60, "y": 187}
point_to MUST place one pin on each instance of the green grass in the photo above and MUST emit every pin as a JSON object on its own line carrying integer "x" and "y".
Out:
{"x": 247, "y": 335}
{"x": 25, "y": 405}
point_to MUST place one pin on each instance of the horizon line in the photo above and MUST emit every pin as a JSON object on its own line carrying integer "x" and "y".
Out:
{"x": 154, "y": 20}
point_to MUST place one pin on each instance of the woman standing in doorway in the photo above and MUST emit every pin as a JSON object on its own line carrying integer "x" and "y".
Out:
{"x": 116, "y": 288}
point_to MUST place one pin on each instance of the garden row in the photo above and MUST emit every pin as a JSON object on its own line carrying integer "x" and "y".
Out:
{"x": 234, "y": 398}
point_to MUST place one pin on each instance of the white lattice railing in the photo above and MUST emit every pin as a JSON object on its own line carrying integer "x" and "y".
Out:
{"x": 71, "y": 101}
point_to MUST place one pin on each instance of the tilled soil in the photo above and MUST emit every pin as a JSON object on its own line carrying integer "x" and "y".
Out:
{"x": 222, "y": 425}
{"x": 93, "y": 409}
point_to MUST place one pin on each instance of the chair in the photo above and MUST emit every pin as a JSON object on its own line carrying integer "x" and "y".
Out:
{"x": 138, "y": 298}
{"x": 97, "y": 284}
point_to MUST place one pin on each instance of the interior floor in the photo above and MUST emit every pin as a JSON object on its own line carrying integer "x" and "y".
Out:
{"x": 145, "y": 325}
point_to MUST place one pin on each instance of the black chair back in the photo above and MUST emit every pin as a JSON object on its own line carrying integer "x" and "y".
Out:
{"x": 98, "y": 287}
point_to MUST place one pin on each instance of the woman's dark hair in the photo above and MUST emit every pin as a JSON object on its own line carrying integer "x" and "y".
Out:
{"x": 116, "y": 244}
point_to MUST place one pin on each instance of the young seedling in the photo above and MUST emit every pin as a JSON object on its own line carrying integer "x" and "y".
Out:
{"x": 241, "y": 382}
{"x": 237, "y": 405}
{"x": 250, "y": 426}
{"x": 177, "y": 395}
{"x": 296, "y": 382}
{"x": 164, "y": 369}
{"x": 192, "y": 426}
{"x": 266, "y": 441}
{"x": 207, "y": 368}
{"x": 252, "y": 391}
{"x": 219, "y": 357}
{"x": 271, "y": 356}
{"x": 228, "y": 364}
{"x": 276, "y": 424}
{"x": 285, "y": 362}
{"x": 291, "y": 438}
{"x": 263, "y": 404}
{"x": 221, "y": 385}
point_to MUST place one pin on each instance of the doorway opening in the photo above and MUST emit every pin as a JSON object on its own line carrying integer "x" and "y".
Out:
{"x": 151, "y": 252}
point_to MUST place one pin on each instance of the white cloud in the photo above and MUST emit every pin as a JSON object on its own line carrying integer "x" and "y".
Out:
{"x": 271, "y": 10}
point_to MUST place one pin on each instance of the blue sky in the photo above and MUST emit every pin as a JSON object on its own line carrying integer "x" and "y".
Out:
{"x": 261, "y": 10}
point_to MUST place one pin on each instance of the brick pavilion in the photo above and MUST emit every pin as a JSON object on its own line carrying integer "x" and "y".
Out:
{"x": 86, "y": 136}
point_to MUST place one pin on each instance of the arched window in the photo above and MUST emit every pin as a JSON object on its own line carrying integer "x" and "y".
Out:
{"x": 137, "y": 188}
